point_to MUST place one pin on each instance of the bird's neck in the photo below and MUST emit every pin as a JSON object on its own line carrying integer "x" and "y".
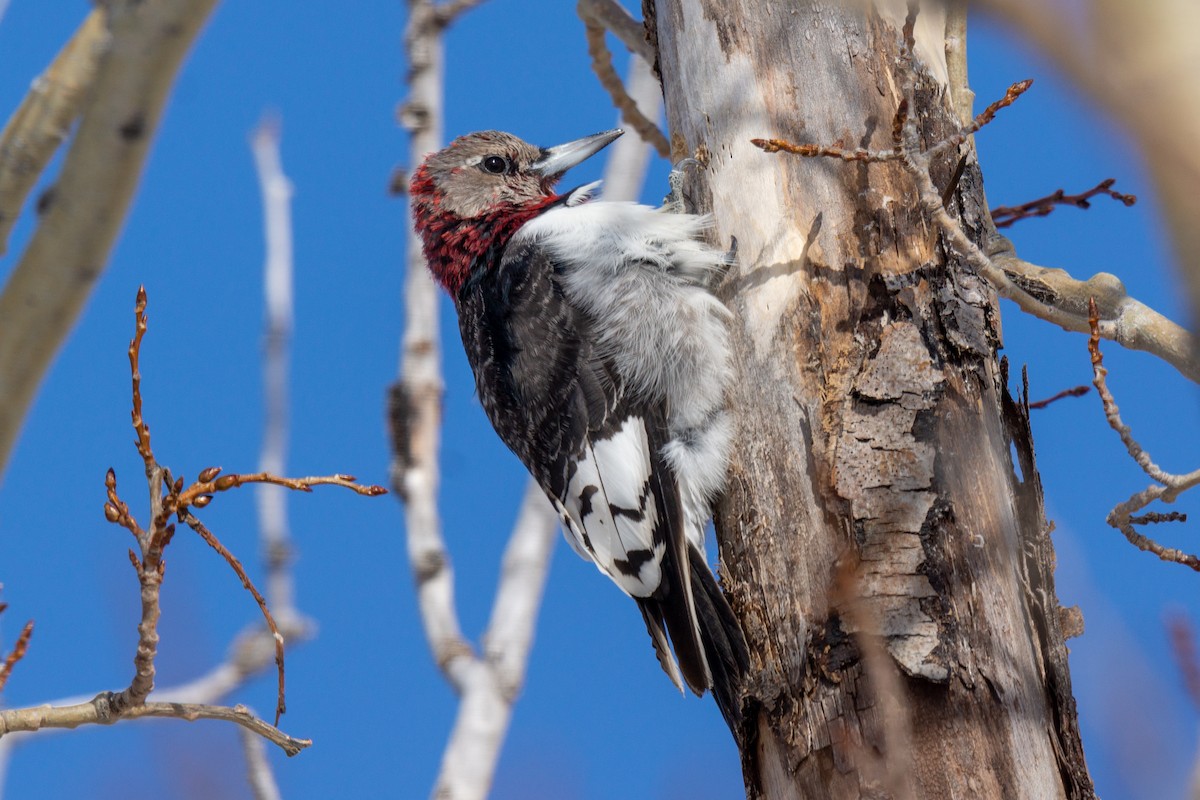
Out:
{"x": 455, "y": 248}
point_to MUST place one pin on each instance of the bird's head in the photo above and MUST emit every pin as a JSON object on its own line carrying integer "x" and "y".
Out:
{"x": 470, "y": 198}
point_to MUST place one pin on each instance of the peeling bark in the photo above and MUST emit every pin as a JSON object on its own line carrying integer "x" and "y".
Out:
{"x": 875, "y": 425}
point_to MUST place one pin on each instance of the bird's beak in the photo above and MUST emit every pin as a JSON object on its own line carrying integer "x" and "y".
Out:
{"x": 557, "y": 160}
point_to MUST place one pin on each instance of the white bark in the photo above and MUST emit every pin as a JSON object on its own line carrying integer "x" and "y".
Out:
{"x": 84, "y": 213}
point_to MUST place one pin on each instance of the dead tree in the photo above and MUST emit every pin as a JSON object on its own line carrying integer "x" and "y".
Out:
{"x": 891, "y": 565}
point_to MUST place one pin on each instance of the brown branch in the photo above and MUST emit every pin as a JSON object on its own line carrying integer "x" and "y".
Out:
{"x": 178, "y": 501}
{"x": 103, "y": 710}
{"x": 1122, "y": 516}
{"x": 18, "y": 652}
{"x": 193, "y": 495}
{"x": 1156, "y": 517}
{"x": 613, "y": 16}
{"x": 1006, "y": 216}
{"x": 1075, "y": 391}
{"x": 135, "y": 350}
{"x": 821, "y": 151}
{"x": 192, "y": 522}
{"x": 602, "y": 65}
{"x": 986, "y": 116}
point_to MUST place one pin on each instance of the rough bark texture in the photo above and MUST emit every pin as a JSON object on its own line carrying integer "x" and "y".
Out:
{"x": 890, "y": 564}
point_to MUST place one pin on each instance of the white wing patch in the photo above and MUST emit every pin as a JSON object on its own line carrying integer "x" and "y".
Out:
{"x": 611, "y": 512}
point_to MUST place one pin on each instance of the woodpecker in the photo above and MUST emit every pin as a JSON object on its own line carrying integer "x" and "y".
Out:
{"x": 602, "y": 359}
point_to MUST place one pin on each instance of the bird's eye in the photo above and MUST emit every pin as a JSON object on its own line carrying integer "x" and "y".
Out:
{"x": 495, "y": 164}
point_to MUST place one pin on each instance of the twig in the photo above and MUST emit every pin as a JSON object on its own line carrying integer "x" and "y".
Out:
{"x": 190, "y": 520}
{"x": 43, "y": 120}
{"x": 1075, "y": 391}
{"x": 178, "y": 501}
{"x": 1156, "y": 517}
{"x": 416, "y": 404}
{"x": 595, "y": 27}
{"x": 101, "y": 710}
{"x": 816, "y": 150}
{"x": 70, "y": 247}
{"x": 18, "y": 652}
{"x": 1170, "y": 486}
{"x": 1014, "y": 92}
{"x": 1006, "y": 216}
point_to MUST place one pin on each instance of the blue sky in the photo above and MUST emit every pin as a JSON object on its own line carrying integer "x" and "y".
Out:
{"x": 597, "y": 719}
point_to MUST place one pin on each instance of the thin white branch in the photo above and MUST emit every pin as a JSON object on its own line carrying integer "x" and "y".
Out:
{"x": 272, "y": 500}
{"x": 258, "y": 768}
{"x": 83, "y": 215}
{"x": 417, "y": 398}
{"x": 100, "y": 710}
{"x": 509, "y": 635}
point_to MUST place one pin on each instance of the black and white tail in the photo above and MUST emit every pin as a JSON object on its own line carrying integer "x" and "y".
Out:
{"x": 711, "y": 649}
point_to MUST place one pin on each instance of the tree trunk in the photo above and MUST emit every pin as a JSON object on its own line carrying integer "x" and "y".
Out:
{"x": 890, "y": 564}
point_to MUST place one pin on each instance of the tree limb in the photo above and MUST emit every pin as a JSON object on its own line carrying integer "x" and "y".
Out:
{"x": 44, "y": 118}
{"x": 101, "y": 710}
{"x": 84, "y": 212}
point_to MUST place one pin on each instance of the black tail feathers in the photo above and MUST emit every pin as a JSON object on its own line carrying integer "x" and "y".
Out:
{"x": 708, "y": 641}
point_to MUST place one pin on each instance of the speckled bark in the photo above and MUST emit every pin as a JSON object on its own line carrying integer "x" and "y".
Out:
{"x": 873, "y": 505}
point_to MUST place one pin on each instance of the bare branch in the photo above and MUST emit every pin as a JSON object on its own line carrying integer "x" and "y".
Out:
{"x": 80, "y": 221}
{"x": 1129, "y": 59}
{"x": 415, "y": 407}
{"x": 1170, "y": 486}
{"x": 509, "y": 635}
{"x": 613, "y": 16}
{"x": 445, "y": 13}
{"x": 1074, "y": 391}
{"x": 1006, "y": 216}
{"x": 43, "y": 120}
{"x": 276, "y": 192}
{"x": 101, "y": 710}
{"x": 629, "y": 156}
{"x": 814, "y": 151}
{"x": 18, "y": 652}
{"x": 1015, "y": 91}
{"x": 190, "y": 520}
{"x": 602, "y": 65}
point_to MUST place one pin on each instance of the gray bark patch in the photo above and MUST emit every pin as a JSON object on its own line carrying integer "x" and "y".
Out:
{"x": 887, "y": 476}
